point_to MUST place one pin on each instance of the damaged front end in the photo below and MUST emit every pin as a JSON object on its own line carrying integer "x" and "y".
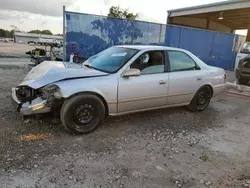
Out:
{"x": 36, "y": 101}
{"x": 39, "y": 92}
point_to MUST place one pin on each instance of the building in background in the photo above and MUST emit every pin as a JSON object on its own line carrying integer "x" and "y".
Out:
{"x": 226, "y": 16}
{"x": 26, "y": 38}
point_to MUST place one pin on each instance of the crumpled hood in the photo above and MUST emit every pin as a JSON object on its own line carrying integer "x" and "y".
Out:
{"x": 53, "y": 71}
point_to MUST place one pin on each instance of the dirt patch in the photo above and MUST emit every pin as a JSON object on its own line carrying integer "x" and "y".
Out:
{"x": 162, "y": 148}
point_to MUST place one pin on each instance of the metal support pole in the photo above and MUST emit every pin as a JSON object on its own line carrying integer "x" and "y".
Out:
{"x": 64, "y": 35}
{"x": 248, "y": 34}
{"x": 207, "y": 24}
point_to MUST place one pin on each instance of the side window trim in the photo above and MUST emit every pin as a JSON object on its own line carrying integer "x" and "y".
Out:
{"x": 169, "y": 64}
{"x": 164, "y": 61}
{"x": 167, "y": 61}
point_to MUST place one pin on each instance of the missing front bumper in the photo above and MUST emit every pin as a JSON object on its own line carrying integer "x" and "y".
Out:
{"x": 37, "y": 106}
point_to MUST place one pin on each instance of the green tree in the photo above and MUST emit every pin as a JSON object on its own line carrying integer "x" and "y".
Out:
{"x": 36, "y": 31}
{"x": 46, "y": 32}
{"x": 2, "y": 33}
{"x": 5, "y": 33}
{"x": 12, "y": 33}
{"x": 117, "y": 12}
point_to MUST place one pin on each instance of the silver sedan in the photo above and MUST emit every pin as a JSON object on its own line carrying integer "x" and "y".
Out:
{"x": 116, "y": 81}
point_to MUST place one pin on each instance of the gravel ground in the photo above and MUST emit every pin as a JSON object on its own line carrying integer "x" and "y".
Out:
{"x": 162, "y": 148}
{"x": 16, "y": 50}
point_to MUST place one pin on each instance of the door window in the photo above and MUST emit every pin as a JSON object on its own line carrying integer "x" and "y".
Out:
{"x": 179, "y": 61}
{"x": 150, "y": 62}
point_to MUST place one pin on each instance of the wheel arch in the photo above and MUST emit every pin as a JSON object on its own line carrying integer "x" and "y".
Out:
{"x": 93, "y": 93}
{"x": 192, "y": 106}
{"x": 209, "y": 86}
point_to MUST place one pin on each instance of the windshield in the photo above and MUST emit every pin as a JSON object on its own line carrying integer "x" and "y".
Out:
{"x": 111, "y": 59}
{"x": 245, "y": 48}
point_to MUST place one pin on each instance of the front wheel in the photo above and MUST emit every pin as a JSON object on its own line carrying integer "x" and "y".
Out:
{"x": 82, "y": 114}
{"x": 201, "y": 99}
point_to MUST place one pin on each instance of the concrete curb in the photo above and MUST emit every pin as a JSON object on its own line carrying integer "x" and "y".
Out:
{"x": 236, "y": 89}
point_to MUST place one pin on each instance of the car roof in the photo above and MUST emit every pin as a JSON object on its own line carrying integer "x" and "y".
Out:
{"x": 149, "y": 47}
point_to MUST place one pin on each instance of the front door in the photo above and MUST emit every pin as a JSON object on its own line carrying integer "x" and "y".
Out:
{"x": 147, "y": 91}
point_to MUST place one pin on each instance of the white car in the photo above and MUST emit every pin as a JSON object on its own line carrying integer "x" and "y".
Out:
{"x": 5, "y": 40}
{"x": 243, "y": 52}
{"x": 116, "y": 81}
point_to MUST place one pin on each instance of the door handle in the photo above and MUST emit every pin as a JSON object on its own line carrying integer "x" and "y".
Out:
{"x": 162, "y": 82}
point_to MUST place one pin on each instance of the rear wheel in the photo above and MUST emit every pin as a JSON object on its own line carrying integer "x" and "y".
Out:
{"x": 201, "y": 99}
{"x": 82, "y": 114}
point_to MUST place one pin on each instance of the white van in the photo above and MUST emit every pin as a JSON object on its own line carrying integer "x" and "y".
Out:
{"x": 243, "y": 52}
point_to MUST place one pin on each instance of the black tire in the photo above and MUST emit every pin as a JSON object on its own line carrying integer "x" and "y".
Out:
{"x": 242, "y": 81}
{"x": 201, "y": 99}
{"x": 82, "y": 114}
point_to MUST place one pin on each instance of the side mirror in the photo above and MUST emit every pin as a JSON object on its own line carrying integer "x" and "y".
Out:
{"x": 132, "y": 72}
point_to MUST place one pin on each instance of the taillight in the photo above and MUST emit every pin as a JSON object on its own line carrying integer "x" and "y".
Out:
{"x": 225, "y": 76}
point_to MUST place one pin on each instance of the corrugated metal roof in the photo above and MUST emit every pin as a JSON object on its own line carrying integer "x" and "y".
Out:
{"x": 37, "y": 35}
{"x": 207, "y": 5}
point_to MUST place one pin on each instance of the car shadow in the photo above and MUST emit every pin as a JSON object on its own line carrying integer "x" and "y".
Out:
{"x": 175, "y": 120}
{"x": 171, "y": 119}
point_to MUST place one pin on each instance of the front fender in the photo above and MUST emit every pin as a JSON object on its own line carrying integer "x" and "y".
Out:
{"x": 105, "y": 88}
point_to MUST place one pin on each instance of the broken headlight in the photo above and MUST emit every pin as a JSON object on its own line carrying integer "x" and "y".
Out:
{"x": 50, "y": 91}
{"x": 25, "y": 93}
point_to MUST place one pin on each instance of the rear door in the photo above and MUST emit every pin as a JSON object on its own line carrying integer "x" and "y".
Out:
{"x": 185, "y": 78}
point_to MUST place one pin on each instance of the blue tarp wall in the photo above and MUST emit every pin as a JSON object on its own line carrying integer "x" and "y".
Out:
{"x": 95, "y": 33}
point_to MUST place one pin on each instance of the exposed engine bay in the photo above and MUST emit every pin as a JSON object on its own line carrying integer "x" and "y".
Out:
{"x": 46, "y": 98}
{"x": 26, "y": 94}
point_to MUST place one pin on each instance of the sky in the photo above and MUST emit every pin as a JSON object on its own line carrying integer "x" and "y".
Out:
{"x": 28, "y": 15}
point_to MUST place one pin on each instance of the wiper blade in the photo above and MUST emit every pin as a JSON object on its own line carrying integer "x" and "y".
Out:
{"x": 91, "y": 67}
{"x": 88, "y": 65}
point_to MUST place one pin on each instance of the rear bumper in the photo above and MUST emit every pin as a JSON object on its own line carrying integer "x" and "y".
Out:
{"x": 220, "y": 89}
{"x": 37, "y": 106}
